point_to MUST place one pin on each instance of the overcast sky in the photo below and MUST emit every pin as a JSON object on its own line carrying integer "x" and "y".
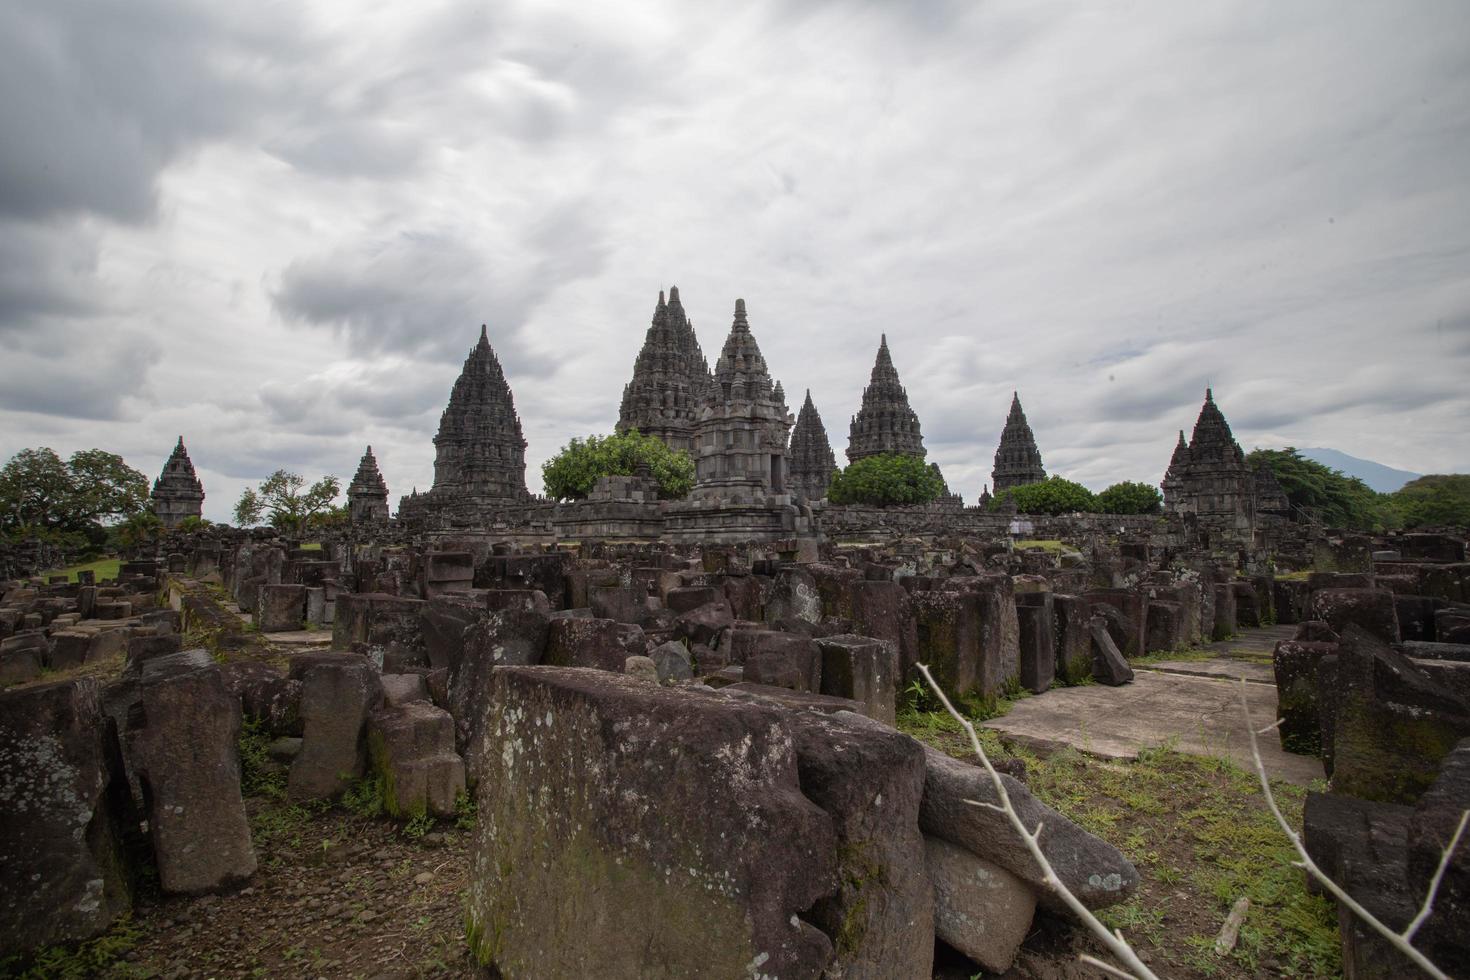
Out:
{"x": 275, "y": 228}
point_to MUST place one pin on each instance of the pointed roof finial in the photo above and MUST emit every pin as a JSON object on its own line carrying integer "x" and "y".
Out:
{"x": 1209, "y": 394}
{"x": 484, "y": 335}
{"x": 180, "y": 443}
{"x": 673, "y": 294}
{"x": 661, "y": 297}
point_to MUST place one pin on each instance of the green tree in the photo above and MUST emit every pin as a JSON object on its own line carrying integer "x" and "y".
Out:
{"x": 138, "y": 530}
{"x": 1050, "y": 496}
{"x": 1129, "y": 497}
{"x": 886, "y": 480}
{"x": 1438, "y": 500}
{"x": 287, "y": 501}
{"x": 572, "y": 473}
{"x": 1325, "y": 494}
{"x": 93, "y": 488}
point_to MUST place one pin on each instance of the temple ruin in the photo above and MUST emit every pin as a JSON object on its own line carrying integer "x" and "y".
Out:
{"x": 367, "y": 494}
{"x": 1017, "y": 460}
{"x": 177, "y": 493}
{"x": 671, "y": 379}
{"x": 885, "y": 423}
{"x": 811, "y": 460}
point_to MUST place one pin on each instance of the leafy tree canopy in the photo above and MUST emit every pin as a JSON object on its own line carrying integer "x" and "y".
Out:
{"x": 287, "y": 502}
{"x": 572, "y": 473}
{"x": 1435, "y": 500}
{"x": 1051, "y": 496}
{"x": 886, "y": 480}
{"x": 40, "y": 492}
{"x": 1129, "y": 497}
{"x": 1325, "y": 494}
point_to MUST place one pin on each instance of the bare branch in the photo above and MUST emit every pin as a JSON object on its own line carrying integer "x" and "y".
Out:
{"x": 1444, "y": 862}
{"x": 1116, "y": 944}
{"x": 1107, "y": 968}
{"x": 1397, "y": 941}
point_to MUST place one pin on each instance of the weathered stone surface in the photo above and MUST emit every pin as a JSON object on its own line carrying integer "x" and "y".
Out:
{"x": 1038, "y": 641}
{"x": 401, "y": 689}
{"x": 1095, "y": 871}
{"x": 1445, "y": 935}
{"x": 948, "y": 629}
{"x": 883, "y": 610}
{"x": 69, "y": 649}
{"x": 23, "y": 657}
{"x": 60, "y": 856}
{"x": 387, "y": 629}
{"x": 1385, "y": 725}
{"x": 601, "y": 643}
{"x": 411, "y": 747}
{"x": 869, "y": 779}
{"x": 863, "y": 669}
{"x": 338, "y": 691}
{"x": 980, "y": 908}
{"x": 1225, "y": 623}
{"x": 633, "y": 830}
{"x": 1415, "y": 614}
{"x": 672, "y": 662}
{"x": 781, "y": 660}
{"x": 685, "y": 598}
{"x": 1108, "y": 665}
{"x": 182, "y": 748}
{"x": 1166, "y": 627}
{"x": 1371, "y": 609}
{"x": 1295, "y": 665}
{"x": 1073, "y": 638}
{"x": 620, "y": 603}
{"x": 705, "y": 624}
{"x": 641, "y": 668}
{"x": 147, "y": 646}
{"x": 265, "y": 694}
{"x": 1362, "y": 845}
{"x": 280, "y": 608}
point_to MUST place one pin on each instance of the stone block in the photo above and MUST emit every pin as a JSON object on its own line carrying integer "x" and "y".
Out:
{"x": 1371, "y": 609}
{"x": 793, "y": 596}
{"x": 69, "y": 649}
{"x": 411, "y": 747}
{"x": 620, "y": 603}
{"x": 1250, "y": 609}
{"x": 672, "y": 662}
{"x": 60, "y": 846}
{"x": 780, "y": 660}
{"x": 1416, "y": 616}
{"x": 1295, "y": 665}
{"x": 883, "y": 610}
{"x": 1092, "y": 869}
{"x": 112, "y": 609}
{"x": 947, "y": 626}
{"x": 1108, "y": 665}
{"x": 1166, "y": 627}
{"x": 1385, "y": 724}
{"x": 401, "y": 689}
{"x": 442, "y": 572}
{"x": 685, "y": 598}
{"x": 705, "y": 624}
{"x": 338, "y": 692}
{"x": 627, "y": 829}
{"x": 1038, "y": 640}
{"x": 1445, "y": 935}
{"x": 862, "y": 669}
{"x": 23, "y": 657}
{"x": 182, "y": 748}
{"x": 143, "y": 647}
{"x": 1072, "y": 639}
{"x": 980, "y": 908}
{"x": 1225, "y": 625}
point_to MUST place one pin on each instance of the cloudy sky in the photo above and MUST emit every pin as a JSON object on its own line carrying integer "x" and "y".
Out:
{"x": 276, "y": 227}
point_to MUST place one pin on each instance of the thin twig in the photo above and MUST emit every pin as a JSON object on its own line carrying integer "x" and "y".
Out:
{"x": 1107, "y": 968}
{"x": 1310, "y": 866}
{"x": 1444, "y": 862}
{"x": 1115, "y": 942}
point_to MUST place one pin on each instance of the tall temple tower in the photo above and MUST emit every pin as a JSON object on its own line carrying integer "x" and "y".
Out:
{"x": 367, "y": 495}
{"x": 740, "y": 438}
{"x": 810, "y": 455}
{"x": 885, "y": 423}
{"x": 1209, "y": 477}
{"x": 177, "y": 493}
{"x": 479, "y": 452}
{"x": 1017, "y": 460}
{"x": 670, "y": 378}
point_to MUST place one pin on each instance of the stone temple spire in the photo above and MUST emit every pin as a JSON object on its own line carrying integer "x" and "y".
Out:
{"x": 740, "y": 439}
{"x": 812, "y": 462}
{"x": 885, "y": 423}
{"x": 367, "y": 495}
{"x": 480, "y": 453}
{"x": 670, "y": 377}
{"x": 1017, "y": 460}
{"x": 1208, "y": 477}
{"x": 177, "y": 493}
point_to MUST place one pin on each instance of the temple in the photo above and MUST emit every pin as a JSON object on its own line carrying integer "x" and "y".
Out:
{"x": 810, "y": 455}
{"x": 740, "y": 438}
{"x": 885, "y": 423}
{"x": 177, "y": 493}
{"x": 1017, "y": 460}
{"x": 670, "y": 378}
{"x": 367, "y": 495}
{"x": 1209, "y": 478}
{"x": 479, "y": 451}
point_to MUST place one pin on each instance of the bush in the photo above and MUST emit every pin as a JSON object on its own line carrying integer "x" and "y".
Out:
{"x": 1437, "y": 500}
{"x": 885, "y": 480}
{"x": 1130, "y": 498}
{"x": 1052, "y": 496}
{"x": 572, "y": 473}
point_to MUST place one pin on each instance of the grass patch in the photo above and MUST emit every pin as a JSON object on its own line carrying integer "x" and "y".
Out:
{"x": 1045, "y": 544}
{"x": 1192, "y": 655}
{"x": 102, "y": 568}
{"x": 76, "y": 962}
{"x": 312, "y": 546}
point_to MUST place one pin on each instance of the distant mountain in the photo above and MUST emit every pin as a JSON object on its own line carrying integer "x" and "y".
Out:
{"x": 1384, "y": 479}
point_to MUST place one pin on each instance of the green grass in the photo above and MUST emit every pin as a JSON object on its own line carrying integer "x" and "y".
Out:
{"x": 1043, "y": 544}
{"x": 1198, "y": 830}
{"x": 76, "y": 962}
{"x": 312, "y": 546}
{"x": 102, "y": 568}
{"x": 1193, "y": 654}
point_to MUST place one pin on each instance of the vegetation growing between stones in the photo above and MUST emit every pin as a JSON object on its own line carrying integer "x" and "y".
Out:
{"x": 886, "y": 480}
{"x": 102, "y": 955}
{"x": 259, "y": 774}
{"x": 572, "y": 473}
{"x": 1200, "y": 835}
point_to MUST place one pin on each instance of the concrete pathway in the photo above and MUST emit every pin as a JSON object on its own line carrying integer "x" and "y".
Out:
{"x": 1193, "y": 705}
